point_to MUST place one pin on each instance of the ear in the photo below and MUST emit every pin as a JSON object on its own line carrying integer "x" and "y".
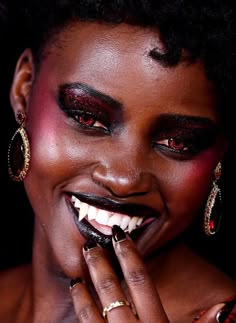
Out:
{"x": 22, "y": 82}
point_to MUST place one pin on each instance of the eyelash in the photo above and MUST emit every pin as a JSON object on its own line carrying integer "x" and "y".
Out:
{"x": 88, "y": 120}
{"x": 174, "y": 144}
{"x": 185, "y": 145}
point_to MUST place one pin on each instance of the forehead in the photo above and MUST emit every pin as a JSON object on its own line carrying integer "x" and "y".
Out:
{"x": 116, "y": 60}
{"x": 105, "y": 46}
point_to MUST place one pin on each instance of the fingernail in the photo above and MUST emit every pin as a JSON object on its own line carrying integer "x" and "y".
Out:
{"x": 89, "y": 244}
{"x": 118, "y": 234}
{"x": 75, "y": 281}
{"x": 227, "y": 313}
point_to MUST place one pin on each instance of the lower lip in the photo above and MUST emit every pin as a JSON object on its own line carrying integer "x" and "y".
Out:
{"x": 92, "y": 230}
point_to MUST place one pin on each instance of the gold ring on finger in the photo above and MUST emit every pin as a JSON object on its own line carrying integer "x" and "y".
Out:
{"x": 113, "y": 305}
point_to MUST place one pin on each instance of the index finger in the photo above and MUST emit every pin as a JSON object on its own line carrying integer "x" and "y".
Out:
{"x": 141, "y": 287}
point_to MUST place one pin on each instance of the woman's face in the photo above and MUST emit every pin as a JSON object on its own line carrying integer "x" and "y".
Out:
{"x": 118, "y": 138}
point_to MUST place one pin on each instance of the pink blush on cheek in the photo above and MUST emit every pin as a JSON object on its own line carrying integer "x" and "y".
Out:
{"x": 201, "y": 172}
{"x": 49, "y": 147}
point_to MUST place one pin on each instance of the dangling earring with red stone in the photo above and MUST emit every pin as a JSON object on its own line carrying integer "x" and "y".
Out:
{"x": 213, "y": 212}
{"x": 19, "y": 151}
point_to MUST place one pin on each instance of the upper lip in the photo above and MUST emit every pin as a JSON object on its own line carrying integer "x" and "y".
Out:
{"x": 131, "y": 209}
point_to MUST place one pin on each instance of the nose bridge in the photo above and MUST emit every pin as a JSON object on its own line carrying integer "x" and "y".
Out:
{"x": 124, "y": 171}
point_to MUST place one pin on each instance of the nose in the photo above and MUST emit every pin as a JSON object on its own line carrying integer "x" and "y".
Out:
{"x": 123, "y": 176}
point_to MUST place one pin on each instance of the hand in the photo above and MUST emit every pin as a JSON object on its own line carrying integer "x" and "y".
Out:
{"x": 220, "y": 313}
{"x": 144, "y": 296}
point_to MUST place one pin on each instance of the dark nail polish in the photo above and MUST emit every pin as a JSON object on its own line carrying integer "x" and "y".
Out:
{"x": 227, "y": 312}
{"x": 118, "y": 234}
{"x": 89, "y": 244}
{"x": 73, "y": 282}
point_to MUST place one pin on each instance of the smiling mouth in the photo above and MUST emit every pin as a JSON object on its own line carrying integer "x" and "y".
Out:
{"x": 104, "y": 220}
{"x": 96, "y": 222}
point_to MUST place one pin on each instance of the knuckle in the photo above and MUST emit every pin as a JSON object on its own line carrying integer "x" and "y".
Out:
{"x": 125, "y": 252}
{"x": 85, "y": 314}
{"x": 108, "y": 283}
{"x": 75, "y": 291}
{"x": 137, "y": 277}
{"x": 93, "y": 259}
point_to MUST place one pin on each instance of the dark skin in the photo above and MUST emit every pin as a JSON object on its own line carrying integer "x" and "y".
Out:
{"x": 105, "y": 120}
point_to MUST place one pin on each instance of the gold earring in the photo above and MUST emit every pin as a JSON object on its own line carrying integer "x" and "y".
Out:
{"x": 19, "y": 151}
{"x": 212, "y": 213}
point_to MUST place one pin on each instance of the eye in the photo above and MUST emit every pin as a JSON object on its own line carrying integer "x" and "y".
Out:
{"x": 176, "y": 144}
{"x": 186, "y": 143}
{"x": 88, "y": 120}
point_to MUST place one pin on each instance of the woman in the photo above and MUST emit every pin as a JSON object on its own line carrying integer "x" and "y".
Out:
{"x": 122, "y": 134}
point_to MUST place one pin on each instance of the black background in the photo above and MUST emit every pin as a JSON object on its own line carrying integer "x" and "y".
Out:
{"x": 17, "y": 217}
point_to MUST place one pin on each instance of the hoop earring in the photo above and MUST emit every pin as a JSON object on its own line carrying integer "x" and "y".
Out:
{"x": 212, "y": 212}
{"x": 19, "y": 151}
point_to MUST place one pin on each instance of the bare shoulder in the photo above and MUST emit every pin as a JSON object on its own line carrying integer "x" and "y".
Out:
{"x": 13, "y": 283}
{"x": 207, "y": 278}
{"x": 196, "y": 285}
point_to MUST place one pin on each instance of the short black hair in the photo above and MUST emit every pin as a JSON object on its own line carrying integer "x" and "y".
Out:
{"x": 205, "y": 29}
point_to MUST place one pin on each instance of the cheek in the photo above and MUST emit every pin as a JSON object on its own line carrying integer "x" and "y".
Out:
{"x": 190, "y": 187}
{"x": 201, "y": 172}
{"x": 56, "y": 150}
{"x": 185, "y": 193}
{"x": 48, "y": 149}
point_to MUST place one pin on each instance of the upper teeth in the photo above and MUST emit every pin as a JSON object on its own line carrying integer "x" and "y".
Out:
{"x": 126, "y": 222}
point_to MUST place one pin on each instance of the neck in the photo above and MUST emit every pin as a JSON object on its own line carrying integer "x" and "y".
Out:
{"x": 51, "y": 293}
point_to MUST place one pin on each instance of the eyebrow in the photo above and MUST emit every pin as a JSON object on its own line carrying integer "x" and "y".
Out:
{"x": 100, "y": 96}
{"x": 172, "y": 120}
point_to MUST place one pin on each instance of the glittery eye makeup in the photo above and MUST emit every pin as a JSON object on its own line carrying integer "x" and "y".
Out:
{"x": 184, "y": 136}
{"x": 90, "y": 109}
{"x": 175, "y": 135}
